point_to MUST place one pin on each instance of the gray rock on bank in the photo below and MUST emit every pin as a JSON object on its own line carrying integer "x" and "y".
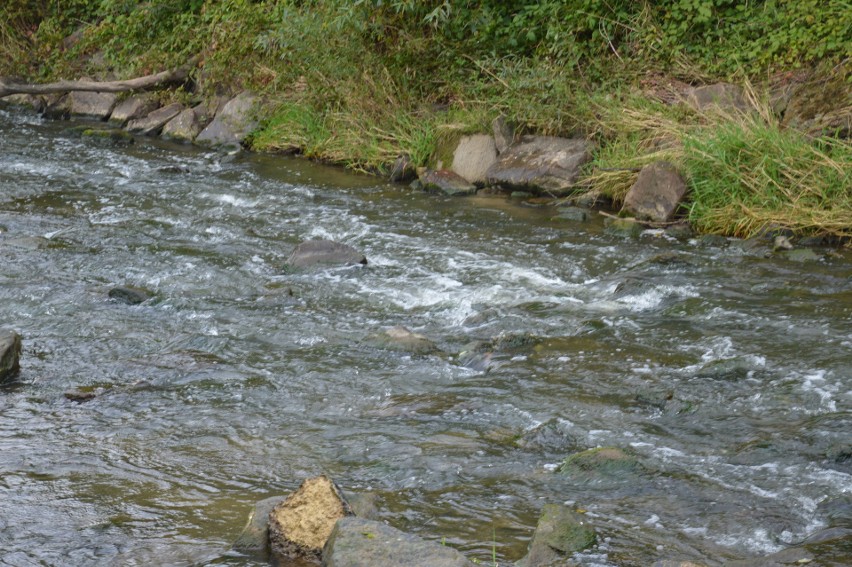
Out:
{"x": 318, "y": 253}
{"x": 153, "y": 122}
{"x": 720, "y": 96}
{"x": 232, "y": 124}
{"x": 10, "y": 354}
{"x": 132, "y": 108}
{"x": 544, "y": 164}
{"x": 184, "y": 127}
{"x": 473, "y": 156}
{"x": 357, "y": 542}
{"x": 447, "y": 182}
{"x": 657, "y": 192}
{"x": 92, "y": 105}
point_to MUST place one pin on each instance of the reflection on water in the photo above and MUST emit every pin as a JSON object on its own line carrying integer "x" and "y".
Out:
{"x": 727, "y": 373}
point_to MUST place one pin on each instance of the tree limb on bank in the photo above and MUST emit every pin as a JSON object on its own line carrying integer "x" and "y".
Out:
{"x": 172, "y": 76}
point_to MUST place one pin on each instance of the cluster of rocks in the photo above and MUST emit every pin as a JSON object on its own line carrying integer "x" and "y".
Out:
{"x": 220, "y": 122}
{"x": 318, "y": 524}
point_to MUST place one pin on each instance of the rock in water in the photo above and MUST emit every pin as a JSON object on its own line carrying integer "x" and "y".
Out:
{"x": 129, "y": 295}
{"x": 543, "y": 164}
{"x": 10, "y": 354}
{"x": 324, "y": 253}
{"x": 401, "y": 339}
{"x": 560, "y": 533}
{"x": 356, "y": 542}
{"x": 301, "y": 524}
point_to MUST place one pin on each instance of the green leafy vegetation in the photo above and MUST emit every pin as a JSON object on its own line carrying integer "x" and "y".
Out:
{"x": 360, "y": 82}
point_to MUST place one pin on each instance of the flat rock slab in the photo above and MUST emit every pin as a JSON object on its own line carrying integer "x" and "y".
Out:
{"x": 356, "y": 542}
{"x": 317, "y": 253}
{"x": 10, "y": 354}
{"x": 657, "y": 193}
{"x": 94, "y": 105}
{"x": 232, "y": 124}
{"x": 151, "y": 124}
{"x": 446, "y": 182}
{"x": 543, "y": 164}
{"x": 473, "y": 156}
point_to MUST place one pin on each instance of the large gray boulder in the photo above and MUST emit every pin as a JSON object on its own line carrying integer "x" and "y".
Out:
{"x": 473, "y": 156}
{"x": 153, "y": 123}
{"x": 560, "y": 533}
{"x": 543, "y": 164}
{"x": 232, "y": 124}
{"x": 317, "y": 253}
{"x": 132, "y": 108}
{"x": 92, "y": 105}
{"x": 185, "y": 126}
{"x": 657, "y": 193}
{"x": 10, "y": 354}
{"x": 357, "y": 542}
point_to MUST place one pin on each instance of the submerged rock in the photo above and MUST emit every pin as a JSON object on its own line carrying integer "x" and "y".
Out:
{"x": 657, "y": 193}
{"x": 560, "y": 533}
{"x": 575, "y": 214}
{"x": 598, "y": 463}
{"x": 401, "y": 339}
{"x": 129, "y": 295}
{"x": 544, "y": 164}
{"x": 300, "y": 525}
{"x": 446, "y": 182}
{"x": 357, "y": 542}
{"x": 10, "y": 354}
{"x": 108, "y": 137}
{"x": 626, "y": 228}
{"x": 311, "y": 253}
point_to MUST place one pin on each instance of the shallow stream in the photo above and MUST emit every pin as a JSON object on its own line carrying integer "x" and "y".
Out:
{"x": 726, "y": 372}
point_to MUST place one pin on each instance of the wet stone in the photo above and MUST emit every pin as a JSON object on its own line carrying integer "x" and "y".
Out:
{"x": 10, "y": 354}
{"x": 357, "y": 542}
{"x": 313, "y": 253}
{"x": 446, "y": 182}
{"x": 575, "y": 214}
{"x": 129, "y": 295}
{"x": 560, "y": 533}
{"x": 401, "y": 339}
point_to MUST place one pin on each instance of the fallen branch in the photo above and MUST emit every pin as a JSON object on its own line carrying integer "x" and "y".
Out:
{"x": 178, "y": 75}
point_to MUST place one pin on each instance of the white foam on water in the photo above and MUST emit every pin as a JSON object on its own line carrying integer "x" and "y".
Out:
{"x": 816, "y": 382}
{"x": 234, "y": 200}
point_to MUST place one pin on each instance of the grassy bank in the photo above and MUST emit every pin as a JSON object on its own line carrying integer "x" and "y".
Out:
{"x": 359, "y": 82}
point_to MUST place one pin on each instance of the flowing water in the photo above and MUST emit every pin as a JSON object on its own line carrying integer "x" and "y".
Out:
{"x": 725, "y": 372}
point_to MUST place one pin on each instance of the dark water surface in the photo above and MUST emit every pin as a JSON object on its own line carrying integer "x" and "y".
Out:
{"x": 727, "y": 373}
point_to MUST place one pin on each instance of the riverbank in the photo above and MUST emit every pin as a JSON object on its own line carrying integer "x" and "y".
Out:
{"x": 361, "y": 84}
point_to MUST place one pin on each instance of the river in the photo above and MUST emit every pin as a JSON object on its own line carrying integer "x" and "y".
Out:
{"x": 727, "y": 373}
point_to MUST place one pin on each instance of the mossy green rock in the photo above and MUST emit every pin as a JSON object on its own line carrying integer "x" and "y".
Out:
{"x": 108, "y": 137}
{"x": 560, "y": 533}
{"x": 600, "y": 462}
